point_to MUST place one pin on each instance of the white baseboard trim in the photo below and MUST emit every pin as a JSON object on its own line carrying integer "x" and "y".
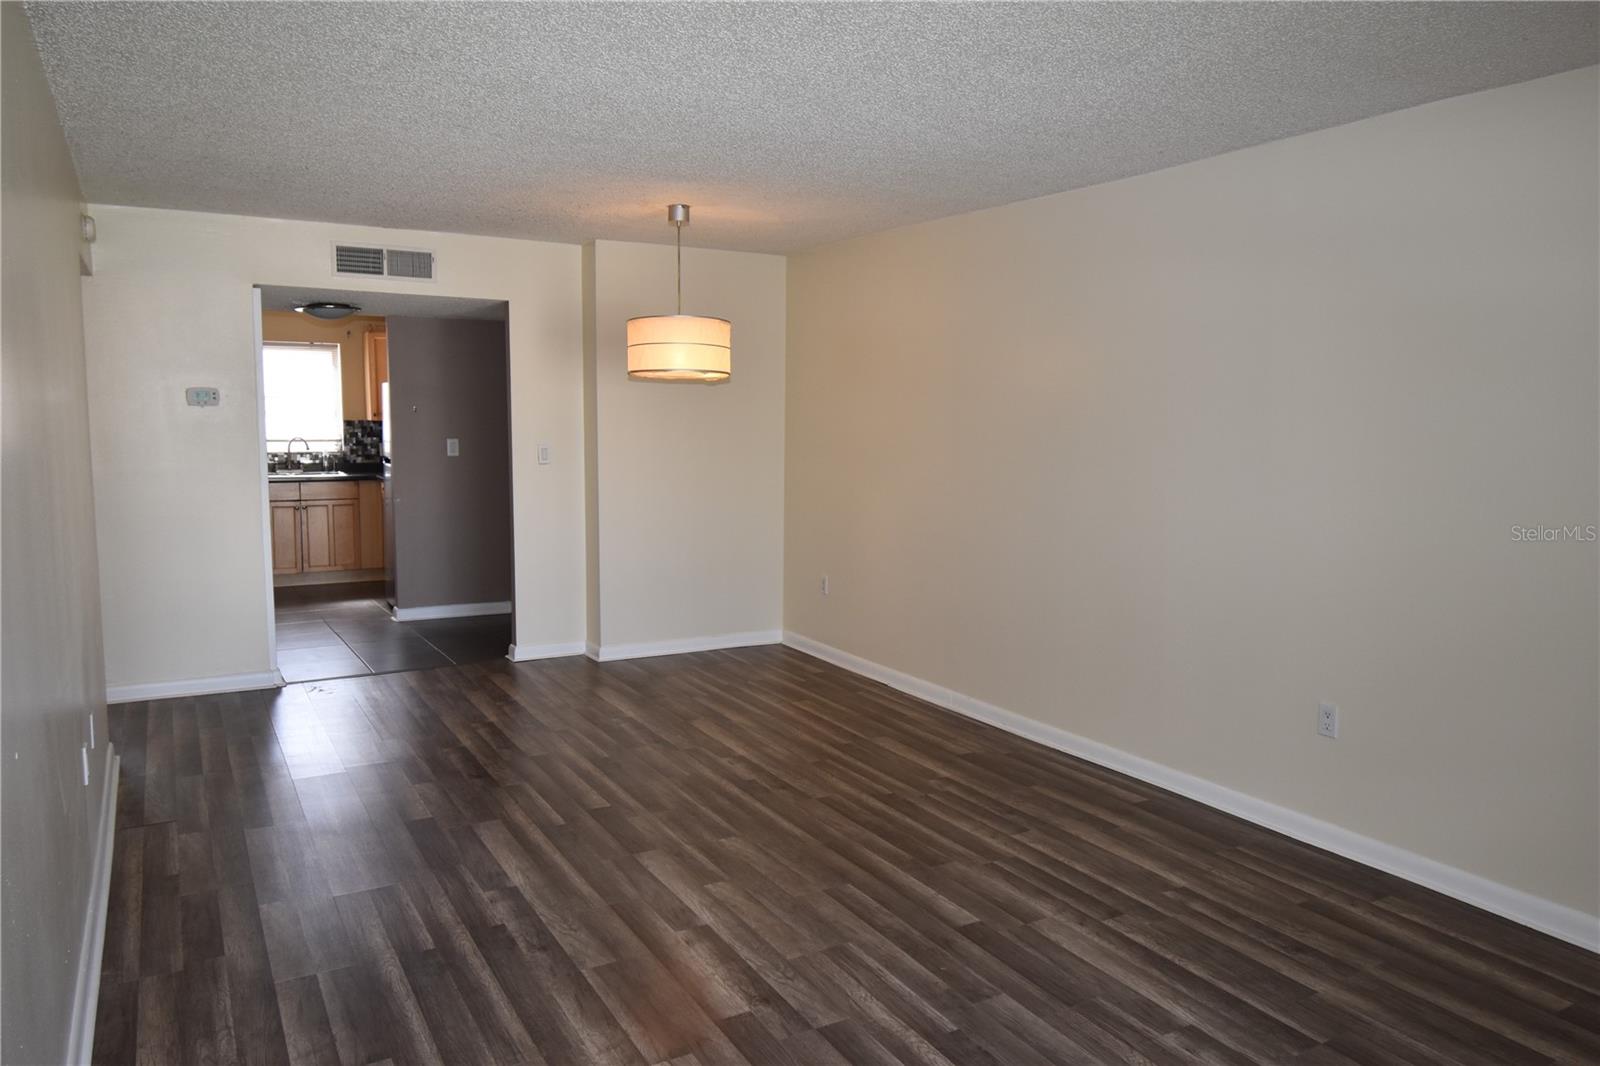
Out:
{"x": 523, "y": 653}
{"x": 607, "y": 653}
{"x": 1573, "y": 926}
{"x": 198, "y": 686}
{"x": 451, "y": 610}
{"x": 91, "y": 950}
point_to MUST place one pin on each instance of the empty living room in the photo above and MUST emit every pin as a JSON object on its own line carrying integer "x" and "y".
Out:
{"x": 800, "y": 533}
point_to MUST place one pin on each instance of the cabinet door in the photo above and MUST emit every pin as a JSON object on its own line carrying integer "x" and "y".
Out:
{"x": 286, "y": 538}
{"x": 331, "y": 534}
{"x": 346, "y": 535}
{"x": 377, "y": 371}
{"x": 371, "y": 523}
{"x": 316, "y": 535}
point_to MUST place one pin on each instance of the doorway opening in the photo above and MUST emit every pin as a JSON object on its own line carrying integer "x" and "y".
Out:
{"x": 387, "y": 436}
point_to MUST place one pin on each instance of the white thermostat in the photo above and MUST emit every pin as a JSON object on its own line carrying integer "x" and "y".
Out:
{"x": 203, "y": 397}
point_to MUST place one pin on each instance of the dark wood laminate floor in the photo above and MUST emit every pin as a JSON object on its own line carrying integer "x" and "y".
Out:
{"x": 748, "y": 857}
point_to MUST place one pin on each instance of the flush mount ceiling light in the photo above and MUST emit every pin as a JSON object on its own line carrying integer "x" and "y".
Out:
{"x": 326, "y": 310}
{"x": 680, "y": 347}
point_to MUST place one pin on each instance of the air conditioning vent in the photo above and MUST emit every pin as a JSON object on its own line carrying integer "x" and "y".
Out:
{"x": 360, "y": 261}
{"x": 410, "y": 264}
{"x": 349, "y": 259}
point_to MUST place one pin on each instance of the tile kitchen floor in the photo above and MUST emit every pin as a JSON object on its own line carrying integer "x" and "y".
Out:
{"x": 327, "y": 631}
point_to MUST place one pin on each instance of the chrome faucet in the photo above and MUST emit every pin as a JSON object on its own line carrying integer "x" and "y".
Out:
{"x": 288, "y": 449}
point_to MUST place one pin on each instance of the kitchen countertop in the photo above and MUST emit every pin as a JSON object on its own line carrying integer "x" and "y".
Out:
{"x": 322, "y": 475}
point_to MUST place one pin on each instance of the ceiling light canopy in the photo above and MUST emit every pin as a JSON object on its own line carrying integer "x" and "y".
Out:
{"x": 680, "y": 347}
{"x": 327, "y": 310}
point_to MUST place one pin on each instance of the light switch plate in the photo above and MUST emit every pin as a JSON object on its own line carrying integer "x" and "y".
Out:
{"x": 202, "y": 396}
{"x": 544, "y": 455}
{"x": 452, "y": 446}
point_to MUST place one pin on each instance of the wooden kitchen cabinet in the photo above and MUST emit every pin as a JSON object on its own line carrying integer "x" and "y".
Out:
{"x": 328, "y": 535}
{"x": 317, "y": 527}
{"x": 285, "y": 537}
{"x": 371, "y": 524}
{"x": 377, "y": 352}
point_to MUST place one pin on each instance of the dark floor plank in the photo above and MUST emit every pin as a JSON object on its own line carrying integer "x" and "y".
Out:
{"x": 116, "y": 1021}
{"x": 305, "y": 1023}
{"x": 158, "y": 1039}
{"x": 205, "y": 1015}
{"x": 358, "y": 1016}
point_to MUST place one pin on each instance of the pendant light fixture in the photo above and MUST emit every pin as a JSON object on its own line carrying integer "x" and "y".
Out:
{"x": 680, "y": 347}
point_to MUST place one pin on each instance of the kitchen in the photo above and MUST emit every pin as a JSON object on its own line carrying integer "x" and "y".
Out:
{"x": 360, "y": 584}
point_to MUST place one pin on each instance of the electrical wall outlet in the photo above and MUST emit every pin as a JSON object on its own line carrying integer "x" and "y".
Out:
{"x": 822, "y": 586}
{"x": 1328, "y": 720}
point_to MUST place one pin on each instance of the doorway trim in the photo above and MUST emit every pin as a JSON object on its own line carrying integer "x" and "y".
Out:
{"x": 261, "y": 471}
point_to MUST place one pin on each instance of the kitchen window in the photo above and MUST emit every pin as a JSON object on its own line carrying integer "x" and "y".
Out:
{"x": 304, "y": 396}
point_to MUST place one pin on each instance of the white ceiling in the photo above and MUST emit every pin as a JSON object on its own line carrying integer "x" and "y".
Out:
{"x": 384, "y": 304}
{"x": 785, "y": 125}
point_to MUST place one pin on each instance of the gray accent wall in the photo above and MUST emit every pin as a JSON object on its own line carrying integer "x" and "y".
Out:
{"x": 452, "y": 515}
{"x": 53, "y": 668}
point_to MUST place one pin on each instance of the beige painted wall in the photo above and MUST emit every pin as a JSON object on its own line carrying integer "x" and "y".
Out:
{"x": 687, "y": 480}
{"x": 1166, "y": 461}
{"x": 350, "y": 334}
{"x": 51, "y": 680}
{"x": 179, "y": 489}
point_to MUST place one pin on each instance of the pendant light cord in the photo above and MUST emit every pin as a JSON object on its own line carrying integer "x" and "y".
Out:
{"x": 679, "y": 227}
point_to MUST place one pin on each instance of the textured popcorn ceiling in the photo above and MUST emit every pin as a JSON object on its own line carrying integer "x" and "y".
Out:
{"x": 784, "y": 125}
